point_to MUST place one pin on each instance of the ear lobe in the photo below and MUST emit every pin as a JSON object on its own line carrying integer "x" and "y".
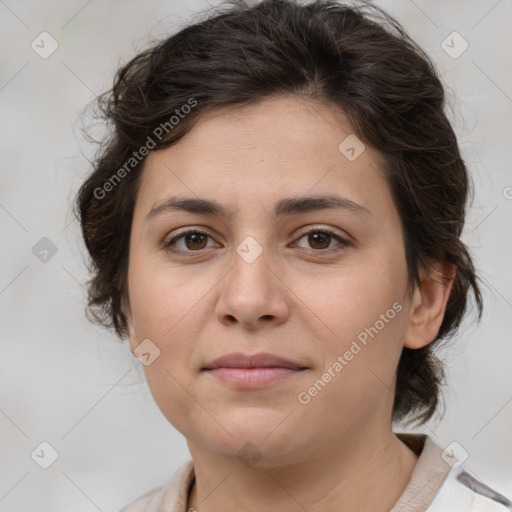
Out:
{"x": 429, "y": 304}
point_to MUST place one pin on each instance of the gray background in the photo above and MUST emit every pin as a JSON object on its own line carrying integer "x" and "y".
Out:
{"x": 67, "y": 382}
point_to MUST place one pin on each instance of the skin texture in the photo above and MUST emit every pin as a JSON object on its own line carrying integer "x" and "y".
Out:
{"x": 301, "y": 299}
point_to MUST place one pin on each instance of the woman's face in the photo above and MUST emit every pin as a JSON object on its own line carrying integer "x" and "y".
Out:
{"x": 265, "y": 277}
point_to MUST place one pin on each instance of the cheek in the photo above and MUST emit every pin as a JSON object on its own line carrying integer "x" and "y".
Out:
{"x": 163, "y": 296}
{"x": 167, "y": 309}
{"x": 352, "y": 298}
{"x": 172, "y": 393}
{"x": 357, "y": 377}
{"x": 360, "y": 317}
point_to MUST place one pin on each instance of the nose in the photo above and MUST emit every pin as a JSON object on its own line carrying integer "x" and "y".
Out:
{"x": 253, "y": 294}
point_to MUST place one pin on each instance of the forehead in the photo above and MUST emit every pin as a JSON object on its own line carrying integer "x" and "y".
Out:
{"x": 280, "y": 147}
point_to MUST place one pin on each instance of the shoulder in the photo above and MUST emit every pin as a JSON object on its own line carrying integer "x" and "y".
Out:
{"x": 464, "y": 492}
{"x": 461, "y": 490}
{"x": 171, "y": 497}
{"x": 441, "y": 482}
{"x": 149, "y": 502}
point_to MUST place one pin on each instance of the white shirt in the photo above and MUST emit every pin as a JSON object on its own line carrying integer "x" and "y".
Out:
{"x": 437, "y": 484}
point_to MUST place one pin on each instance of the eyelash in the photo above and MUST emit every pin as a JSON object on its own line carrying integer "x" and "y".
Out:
{"x": 168, "y": 246}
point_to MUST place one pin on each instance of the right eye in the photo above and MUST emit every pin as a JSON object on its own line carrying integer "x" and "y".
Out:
{"x": 191, "y": 240}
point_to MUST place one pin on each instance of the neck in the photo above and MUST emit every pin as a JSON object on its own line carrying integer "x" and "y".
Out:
{"x": 362, "y": 473}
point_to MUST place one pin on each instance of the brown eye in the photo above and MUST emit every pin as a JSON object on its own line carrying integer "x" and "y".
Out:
{"x": 190, "y": 241}
{"x": 320, "y": 240}
{"x": 195, "y": 240}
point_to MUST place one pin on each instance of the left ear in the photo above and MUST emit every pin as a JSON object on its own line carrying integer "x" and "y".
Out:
{"x": 429, "y": 304}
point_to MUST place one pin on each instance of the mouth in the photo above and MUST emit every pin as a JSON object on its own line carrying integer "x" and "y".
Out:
{"x": 250, "y": 372}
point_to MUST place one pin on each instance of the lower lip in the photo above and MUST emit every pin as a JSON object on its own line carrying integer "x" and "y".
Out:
{"x": 251, "y": 378}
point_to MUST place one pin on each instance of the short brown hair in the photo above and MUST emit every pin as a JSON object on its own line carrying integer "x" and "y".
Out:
{"x": 355, "y": 57}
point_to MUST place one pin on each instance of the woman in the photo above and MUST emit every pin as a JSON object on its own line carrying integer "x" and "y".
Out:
{"x": 274, "y": 224}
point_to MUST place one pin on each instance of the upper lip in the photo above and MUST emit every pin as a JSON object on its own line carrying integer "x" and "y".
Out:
{"x": 239, "y": 360}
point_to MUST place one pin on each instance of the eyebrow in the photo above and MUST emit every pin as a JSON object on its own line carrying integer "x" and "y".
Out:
{"x": 283, "y": 207}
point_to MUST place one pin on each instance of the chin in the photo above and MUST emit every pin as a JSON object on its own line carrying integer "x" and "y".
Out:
{"x": 248, "y": 431}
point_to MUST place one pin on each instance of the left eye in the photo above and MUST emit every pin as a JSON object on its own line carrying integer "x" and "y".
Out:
{"x": 194, "y": 241}
{"x": 320, "y": 239}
